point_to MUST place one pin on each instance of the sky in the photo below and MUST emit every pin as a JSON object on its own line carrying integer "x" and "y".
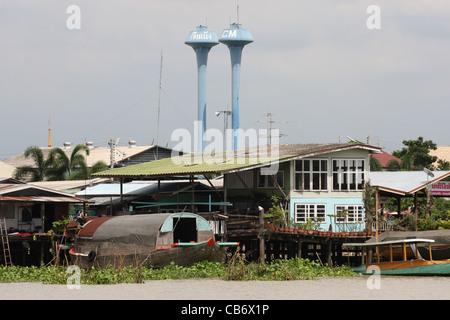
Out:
{"x": 314, "y": 65}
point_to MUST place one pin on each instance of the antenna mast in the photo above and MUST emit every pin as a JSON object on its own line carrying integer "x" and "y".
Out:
{"x": 159, "y": 105}
{"x": 270, "y": 123}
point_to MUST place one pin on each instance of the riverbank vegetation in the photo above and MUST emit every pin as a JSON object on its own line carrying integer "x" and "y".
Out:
{"x": 236, "y": 269}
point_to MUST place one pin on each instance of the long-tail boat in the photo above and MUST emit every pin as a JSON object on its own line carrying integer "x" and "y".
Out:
{"x": 417, "y": 266}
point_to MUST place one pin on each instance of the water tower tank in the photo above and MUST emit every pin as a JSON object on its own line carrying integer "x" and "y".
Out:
{"x": 235, "y": 38}
{"x": 201, "y": 40}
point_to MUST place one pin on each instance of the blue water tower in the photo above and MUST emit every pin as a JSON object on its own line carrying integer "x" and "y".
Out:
{"x": 235, "y": 38}
{"x": 201, "y": 40}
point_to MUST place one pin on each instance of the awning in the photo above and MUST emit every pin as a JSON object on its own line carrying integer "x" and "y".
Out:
{"x": 404, "y": 182}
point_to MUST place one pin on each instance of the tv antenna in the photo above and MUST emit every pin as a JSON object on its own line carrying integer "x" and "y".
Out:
{"x": 270, "y": 123}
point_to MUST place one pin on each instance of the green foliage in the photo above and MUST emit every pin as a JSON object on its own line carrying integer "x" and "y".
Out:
{"x": 311, "y": 224}
{"x": 375, "y": 164}
{"x": 281, "y": 270}
{"x": 277, "y": 213}
{"x": 57, "y": 165}
{"x": 432, "y": 216}
{"x": 442, "y": 165}
{"x": 86, "y": 173}
{"x": 406, "y": 223}
{"x": 415, "y": 155}
{"x": 368, "y": 198}
{"x": 58, "y": 226}
{"x": 42, "y": 168}
{"x": 292, "y": 269}
{"x": 393, "y": 165}
{"x": 65, "y": 164}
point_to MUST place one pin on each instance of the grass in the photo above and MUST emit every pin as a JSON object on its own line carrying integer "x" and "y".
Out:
{"x": 236, "y": 269}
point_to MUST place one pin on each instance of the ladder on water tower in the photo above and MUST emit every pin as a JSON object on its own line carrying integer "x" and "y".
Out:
{"x": 5, "y": 243}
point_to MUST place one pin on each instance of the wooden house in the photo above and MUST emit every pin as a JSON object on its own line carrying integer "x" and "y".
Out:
{"x": 29, "y": 208}
{"x": 320, "y": 183}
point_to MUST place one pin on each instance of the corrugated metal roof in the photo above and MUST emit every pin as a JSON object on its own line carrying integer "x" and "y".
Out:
{"x": 404, "y": 182}
{"x": 95, "y": 154}
{"x": 6, "y": 170}
{"x": 111, "y": 189}
{"x": 66, "y": 185}
{"x": 442, "y": 152}
{"x": 167, "y": 167}
{"x": 91, "y": 225}
{"x": 133, "y": 189}
{"x": 32, "y": 193}
{"x": 42, "y": 199}
{"x": 194, "y": 164}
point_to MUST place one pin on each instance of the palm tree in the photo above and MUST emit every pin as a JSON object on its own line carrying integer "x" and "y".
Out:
{"x": 58, "y": 166}
{"x": 41, "y": 170}
{"x": 86, "y": 173}
{"x": 62, "y": 163}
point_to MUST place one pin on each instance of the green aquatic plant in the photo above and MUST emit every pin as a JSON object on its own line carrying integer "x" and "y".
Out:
{"x": 237, "y": 269}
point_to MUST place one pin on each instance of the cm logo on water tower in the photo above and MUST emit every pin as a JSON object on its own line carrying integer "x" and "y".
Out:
{"x": 227, "y": 33}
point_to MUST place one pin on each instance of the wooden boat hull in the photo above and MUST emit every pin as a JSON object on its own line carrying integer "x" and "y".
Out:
{"x": 182, "y": 254}
{"x": 186, "y": 256}
{"x": 411, "y": 267}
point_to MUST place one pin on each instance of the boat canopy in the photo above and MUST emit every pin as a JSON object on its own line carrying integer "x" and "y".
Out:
{"x": 201, "y": 223}
{"x": 138, "y": 229}
{"x": 439, "y": 236}
{"x": 141, "y": 229}
{"x": 384, "y": 243}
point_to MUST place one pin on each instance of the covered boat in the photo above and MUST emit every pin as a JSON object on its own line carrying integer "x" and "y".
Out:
{"x": 392, "y": 265}
{"x": 148, "y": 239}
{"x": 440, "y": 247}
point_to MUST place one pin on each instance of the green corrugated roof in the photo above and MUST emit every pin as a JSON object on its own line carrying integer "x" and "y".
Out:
{"x": 239, "y": 160}
{"x": 190, "y": 166}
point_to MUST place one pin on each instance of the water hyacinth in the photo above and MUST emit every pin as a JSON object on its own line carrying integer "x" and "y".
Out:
{"x": 236, "y": 269}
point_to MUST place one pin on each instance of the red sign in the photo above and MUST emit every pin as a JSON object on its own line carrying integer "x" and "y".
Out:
{"x": 441, "y": 188}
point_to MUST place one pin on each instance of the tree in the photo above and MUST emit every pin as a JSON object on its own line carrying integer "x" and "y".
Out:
{"x": 393, "y": 165}
{"x": 443, "y": 165}
{"x": 415, "y": 156}
{"x": 62, "y": 163}
{"x": 58, "y": 166}
{"x": 42, "y": 169}
{"x": 375, "y": 164}
{"x": 86, "y": 173}
{"x": 368, "y": 197}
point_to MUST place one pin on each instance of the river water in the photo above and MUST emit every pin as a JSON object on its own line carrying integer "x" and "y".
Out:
{"x": 346, "y": 288}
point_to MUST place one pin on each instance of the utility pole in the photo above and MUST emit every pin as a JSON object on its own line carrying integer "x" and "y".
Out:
{"x": 112, "y": 153}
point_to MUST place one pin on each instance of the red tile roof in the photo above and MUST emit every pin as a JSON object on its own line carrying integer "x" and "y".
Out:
{"x": 384, "y": 158}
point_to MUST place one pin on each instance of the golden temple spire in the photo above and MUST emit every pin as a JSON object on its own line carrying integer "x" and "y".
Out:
{"x": 49, "y": 134}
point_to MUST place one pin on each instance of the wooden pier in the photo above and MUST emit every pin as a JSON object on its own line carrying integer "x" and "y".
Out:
{"x": 286, "y": 243}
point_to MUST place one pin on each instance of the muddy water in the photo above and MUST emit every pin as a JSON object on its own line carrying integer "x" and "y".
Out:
{"x": 357, "y": 288}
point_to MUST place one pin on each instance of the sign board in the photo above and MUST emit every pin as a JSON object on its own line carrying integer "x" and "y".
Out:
{"x": 441, "y": 188}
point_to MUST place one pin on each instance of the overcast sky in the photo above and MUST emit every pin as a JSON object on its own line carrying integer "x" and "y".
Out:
{"x": 313, "y": 64}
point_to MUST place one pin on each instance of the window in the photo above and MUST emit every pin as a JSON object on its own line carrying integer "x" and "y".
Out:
{"x": 7, "y": 210}
{"x": 315, "y": 212}
{"x": 233, "y": 181}
{"x": 267, "y": 181}
{"x": 311, "y": 174}
{"x": 349, "y": 214}
{"x": 348, "y": 174}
